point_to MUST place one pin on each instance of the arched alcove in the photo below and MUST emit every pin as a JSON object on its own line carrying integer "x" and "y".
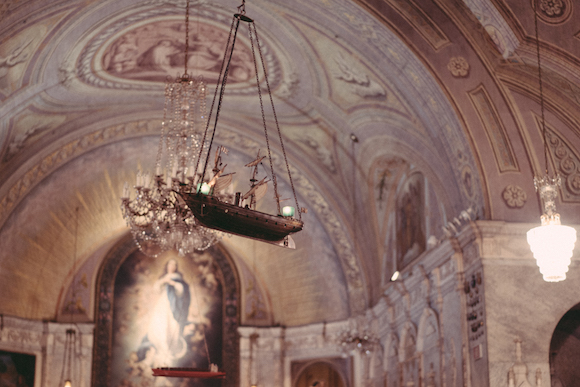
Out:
{"x": 123, "y": 347}
{"x": 322, "y": 373}
{"x": 565, "y": 349}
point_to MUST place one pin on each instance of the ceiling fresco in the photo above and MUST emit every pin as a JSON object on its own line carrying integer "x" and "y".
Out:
{"x": 379, "y": 103}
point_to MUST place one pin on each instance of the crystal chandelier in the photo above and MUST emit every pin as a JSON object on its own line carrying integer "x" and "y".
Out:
{"x": 552, "y": 244}
{"x": 158, "y": 218}
{"x": 357, "y": 339}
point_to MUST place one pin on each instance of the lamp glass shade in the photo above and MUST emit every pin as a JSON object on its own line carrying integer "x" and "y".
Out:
{"x": 288, "y": 211}
{"x": 67, "y": 383}
{"x": 552, "y": 246}
{"x": 204, "y": 188}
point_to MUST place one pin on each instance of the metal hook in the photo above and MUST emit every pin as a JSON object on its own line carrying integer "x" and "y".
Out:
{"x": 242, "y": 8}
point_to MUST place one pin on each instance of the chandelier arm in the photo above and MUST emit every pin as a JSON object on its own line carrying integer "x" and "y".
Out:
{"x": 277, "y": 127}
{"x": 274, "y": 181}
{"x": 541, "y": 86}
{"x": 222, "y": 74}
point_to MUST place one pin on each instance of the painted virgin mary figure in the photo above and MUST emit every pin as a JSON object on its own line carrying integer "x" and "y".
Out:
{"x": 168, "y": 318}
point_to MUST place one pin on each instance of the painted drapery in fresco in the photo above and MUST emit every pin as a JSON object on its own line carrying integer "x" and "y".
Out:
{"x": 164, "y": 310}
{"x": 154, "y": 51}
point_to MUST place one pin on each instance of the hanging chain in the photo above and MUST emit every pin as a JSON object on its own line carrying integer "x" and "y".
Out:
{"x": 274, "y": 181}
{"x": 541, "y": 86}
{"x": 223, "y": 78}
{"x": 277, "y": 127}
{"x": 186, "y": 36}
{"x": 242, "y": 8}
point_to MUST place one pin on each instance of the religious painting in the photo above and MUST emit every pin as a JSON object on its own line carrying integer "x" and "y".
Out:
{"x": 17, "y": 369}
{"x": 167, "y": 313}
{"x": 155, "y": 51}
{"x": 411, "y": 240}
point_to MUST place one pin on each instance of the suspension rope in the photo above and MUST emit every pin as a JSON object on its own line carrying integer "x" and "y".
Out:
{"x": 274, "y": 181}
{"x": 277, "y": 127}
{"x": 224, "y": 75}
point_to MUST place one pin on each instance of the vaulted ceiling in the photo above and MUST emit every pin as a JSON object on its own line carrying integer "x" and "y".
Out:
{"x": 445, "y": 88}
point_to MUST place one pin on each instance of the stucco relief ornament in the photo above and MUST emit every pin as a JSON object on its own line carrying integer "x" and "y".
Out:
{"x": 514, "y": 196}
{"x": 554, "y": 11}
{"x": 458, "y": 66}
{"x": 573, "y": 183}
{"x": 361, "y": 84}
{"x": 552, "y": 7}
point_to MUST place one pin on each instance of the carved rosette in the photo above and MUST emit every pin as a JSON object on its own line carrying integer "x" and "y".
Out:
{"x": 553, "y": 11}
{"x": 514, "y": 196}
{"x": 458, "y": 67}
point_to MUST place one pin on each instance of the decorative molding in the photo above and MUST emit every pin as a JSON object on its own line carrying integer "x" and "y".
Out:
{"x": 493, "y": 22}
{"x": 65, "y": 153}
{"x": 421, "y": 22}
{"x": 566, "y": 163}
{"x": 495, "y": 130}
{"x": 514, "y": 196}
{"x": 458, "y": 67}
{"x": 554, "y": 11}
{"x": 89, "y": 68}
{"x": 323, "y": 154}
{"x": 36, "y": 121}
{"x": 359, "y": 82}
{"x": 21, "y": 337}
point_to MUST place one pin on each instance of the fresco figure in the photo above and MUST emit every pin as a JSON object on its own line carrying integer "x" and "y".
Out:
{"x": 158, "y": 57}
{"x": 155, "y": 51}
{"x": 168, "y": 317}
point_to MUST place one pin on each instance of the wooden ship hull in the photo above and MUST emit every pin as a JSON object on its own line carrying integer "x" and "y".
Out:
{"x": 232, "y": 219}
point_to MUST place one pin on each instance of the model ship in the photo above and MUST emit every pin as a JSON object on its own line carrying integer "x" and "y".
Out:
{"x": 240, "y": 217}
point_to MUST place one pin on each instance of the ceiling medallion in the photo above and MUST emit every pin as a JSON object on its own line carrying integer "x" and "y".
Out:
{"x": 514, "y": 196}
{"x": 458, "y": 66}
{"x": 553, "y": 11}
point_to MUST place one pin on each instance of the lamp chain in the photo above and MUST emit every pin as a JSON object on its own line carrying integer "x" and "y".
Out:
{"x": 541, "y": 86}
{"x": 186, "y": 36}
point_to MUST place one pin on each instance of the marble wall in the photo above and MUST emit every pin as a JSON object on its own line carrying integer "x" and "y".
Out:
{"x": 472, "y": 311}
{"x": 46, "y": 341}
